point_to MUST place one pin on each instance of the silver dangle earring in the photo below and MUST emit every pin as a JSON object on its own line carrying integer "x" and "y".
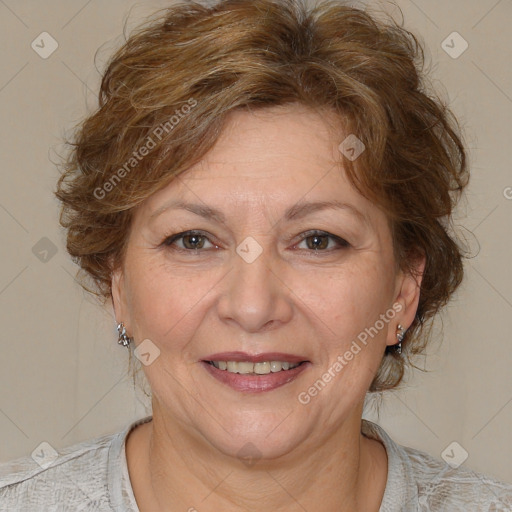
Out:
{"x": 123, "y": 338}
{"x": 399, "y": 336}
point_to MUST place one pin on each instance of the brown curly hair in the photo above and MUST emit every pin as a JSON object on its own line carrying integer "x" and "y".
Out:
{"x": 167, "y": 91}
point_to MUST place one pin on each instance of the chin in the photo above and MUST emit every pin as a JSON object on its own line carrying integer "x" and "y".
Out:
{"x": 257, "y": 436}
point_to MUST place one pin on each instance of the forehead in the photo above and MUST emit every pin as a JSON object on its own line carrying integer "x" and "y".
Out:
{"x": 266, "y": 161}
{"x": 287, "y": 139}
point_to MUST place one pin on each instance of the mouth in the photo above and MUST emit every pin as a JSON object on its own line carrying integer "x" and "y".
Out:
{"x": 249, "y": 368}
{"x": 255, "y": 373}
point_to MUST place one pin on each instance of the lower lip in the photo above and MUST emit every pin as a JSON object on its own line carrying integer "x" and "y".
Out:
{"x": 255, "y": 383}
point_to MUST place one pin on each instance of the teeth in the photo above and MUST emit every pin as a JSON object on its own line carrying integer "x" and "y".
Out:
{"x": 261, "y": 368}
{"x": 245, "y": 367}
{"x": 275, "y": 366}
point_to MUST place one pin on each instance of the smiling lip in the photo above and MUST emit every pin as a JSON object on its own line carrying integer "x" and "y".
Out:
{"x": 255, "y": 358}
{"x": 255, "y": 383}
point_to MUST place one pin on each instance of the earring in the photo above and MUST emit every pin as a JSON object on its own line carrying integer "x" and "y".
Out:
{"x": 123, "y": 338}
{"x": 399, "y": 336}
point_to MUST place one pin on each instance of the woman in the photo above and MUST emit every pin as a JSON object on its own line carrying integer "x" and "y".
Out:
{"x": 264, "y": 194}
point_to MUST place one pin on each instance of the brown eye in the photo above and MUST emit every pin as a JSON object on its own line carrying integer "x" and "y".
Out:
{"x": 190, "y": 241}
{"x": 319, "y": 241}
{"x": 193, "y": 241}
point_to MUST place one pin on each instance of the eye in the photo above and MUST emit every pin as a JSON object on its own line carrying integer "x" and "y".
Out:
{"x": 318, "y": 241}
{"x": 194, "y": 240}
{"x": 191, "y": 240}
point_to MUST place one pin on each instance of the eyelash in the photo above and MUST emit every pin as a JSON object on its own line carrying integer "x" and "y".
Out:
{"x": 171, "y": 239}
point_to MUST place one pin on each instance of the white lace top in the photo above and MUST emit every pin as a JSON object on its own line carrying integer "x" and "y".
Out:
{"x": 93, "y": 476}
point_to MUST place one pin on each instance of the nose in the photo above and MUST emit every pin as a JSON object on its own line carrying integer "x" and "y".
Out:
{"x": 254, "y": 296}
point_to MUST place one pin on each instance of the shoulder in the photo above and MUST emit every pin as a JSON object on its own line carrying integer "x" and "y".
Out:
{"x": 442, "y": 486}
{"x": 417, "y": 481}
{"x": 74, "y": 478}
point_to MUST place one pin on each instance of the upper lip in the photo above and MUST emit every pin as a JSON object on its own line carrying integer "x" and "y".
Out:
{"x": 255, "y": 358}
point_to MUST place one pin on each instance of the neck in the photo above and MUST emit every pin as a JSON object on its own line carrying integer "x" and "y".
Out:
{"x": 167, "y": 465}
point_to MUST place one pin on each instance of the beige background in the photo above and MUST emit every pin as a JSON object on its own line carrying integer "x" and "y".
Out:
{"x": 64, "y": 378}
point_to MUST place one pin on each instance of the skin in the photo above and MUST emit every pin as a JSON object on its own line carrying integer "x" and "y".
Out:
{"x": 292, "y": 298}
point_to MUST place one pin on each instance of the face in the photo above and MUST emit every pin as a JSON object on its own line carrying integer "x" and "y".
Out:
{"x": 237, "y": 261}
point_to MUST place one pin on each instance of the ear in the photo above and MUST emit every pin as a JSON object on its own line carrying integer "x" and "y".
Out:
{"x": 119, "y": 296}
{"x": 408, "y": 286}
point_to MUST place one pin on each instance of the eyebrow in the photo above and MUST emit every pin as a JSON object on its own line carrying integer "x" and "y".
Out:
{"x": 295, "y": 212}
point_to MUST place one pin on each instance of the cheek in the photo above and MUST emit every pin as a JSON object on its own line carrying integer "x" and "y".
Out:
{"x": 165, "y": 302}
{"x": 349, "y": 351}
{"x": 348, "y": 299}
